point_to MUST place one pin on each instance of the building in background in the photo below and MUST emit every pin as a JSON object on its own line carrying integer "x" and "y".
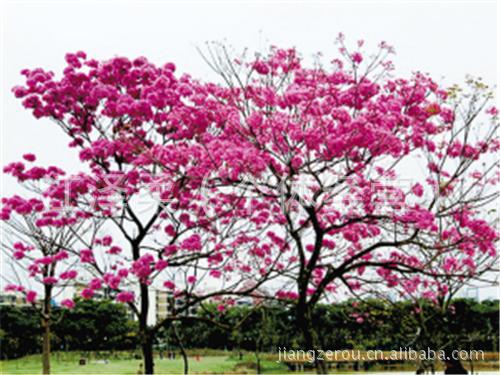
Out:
{"x": 12, "y": 299}
{"x": 99, "y": 294}
{"x": 168, "y": 305}
{"x": 164, "y": 301}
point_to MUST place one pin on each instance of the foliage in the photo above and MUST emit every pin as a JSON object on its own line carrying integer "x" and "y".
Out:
{"x": 19, "y": 331}
{"x": 91, "y": 325}
{"x": 468, "y": 324}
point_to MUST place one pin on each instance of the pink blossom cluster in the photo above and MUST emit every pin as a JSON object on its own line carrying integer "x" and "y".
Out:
{"x": 291, "y": 172}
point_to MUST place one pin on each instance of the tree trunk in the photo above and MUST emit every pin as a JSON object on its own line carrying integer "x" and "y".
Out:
{"x": 185, "y": 360}
{"x": 311, "y": 341}
{"x": 46, "y": 310}
{"x": 147, "y": 337}
{"x": 183, "y": 351}
{"x": 258, "y": 370}
{"x": 147, "y": 353}
{"x": 453, "y": 366}
{"x": 46, "y": 346}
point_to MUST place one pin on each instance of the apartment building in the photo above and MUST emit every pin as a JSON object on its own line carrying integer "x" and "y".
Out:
{"x": 12, "y": 299}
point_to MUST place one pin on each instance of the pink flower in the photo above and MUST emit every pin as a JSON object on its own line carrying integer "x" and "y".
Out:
{"x": 107, "y": 240}
{"x": 191, "y": 279}
{"x": 29, "y": 157}
{"x": 125, "y": 297}
{"x": 13, "y": 288}
{"x": 429, "y": 294}
{"x": 261, "y": 67}
{"x": 114, "y": 250}
{"x": 296, "y": 162}
{"x": 68, "y": 303}
{"x": 34, "y": 269}
{"x": 161, "y": 264}
{"x": 282, "y": 294}
{"x": 170, "y": 66}
{"x": 86, "y": 256}
{"x": 192, "y": 243}
{"x": 447, "y": 115}
{"x": 61, "y": 255}
{"x": 123, "y": 272}
{"x": 216, "y": 258}
{"x": 95, "y": 284}
{"x": 142, "y": 267}
{"x": 112, "y": 281}
{"x": 87, "y": 293}
{"x": 18, "y": 254}
{"x": 30, "y": 296}
{"x": 492, "y": 111}
{"x": 71, "y": 274}
{"x": 357, "y": 57}
{"x": 45, "y": 260}
{"x": 169, "y": 285}
{"x": 5, "y": 215}
{"x": 423, "y": 219}
{"x": 418, "y": 190}
{"x": 450, "y": 264}
{"x": 169, "y": 250}
{"x": 215, "y": 273}
{"x": 50, "y": 280}
{"x": 170, "y": 230}
{"x": 221, "y": 308}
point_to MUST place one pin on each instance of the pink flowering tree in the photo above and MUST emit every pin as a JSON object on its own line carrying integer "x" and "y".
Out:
{"x": 432, "y": 292}
{"x": 142, "y": 133}
{"x": 39, "y": 241}
{"x": 312, "y": 176}
{"x": 366, "y": 173}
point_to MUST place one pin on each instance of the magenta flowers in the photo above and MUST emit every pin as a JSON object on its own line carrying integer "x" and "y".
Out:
{"x": 308, "y": 180}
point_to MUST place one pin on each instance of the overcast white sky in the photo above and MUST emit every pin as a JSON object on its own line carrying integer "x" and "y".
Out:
{"x": 447, "y": 39}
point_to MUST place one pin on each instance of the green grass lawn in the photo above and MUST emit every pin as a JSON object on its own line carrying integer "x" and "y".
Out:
{"x": 205, "y": 365}
{"x": 211, "y": 362}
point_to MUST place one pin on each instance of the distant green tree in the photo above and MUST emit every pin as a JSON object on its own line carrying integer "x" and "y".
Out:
{"x": 20, "y": 331}
{"x": 91, "y": 325}
{"x": 95, "y": 325}
{"x": 370, "y": 324}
